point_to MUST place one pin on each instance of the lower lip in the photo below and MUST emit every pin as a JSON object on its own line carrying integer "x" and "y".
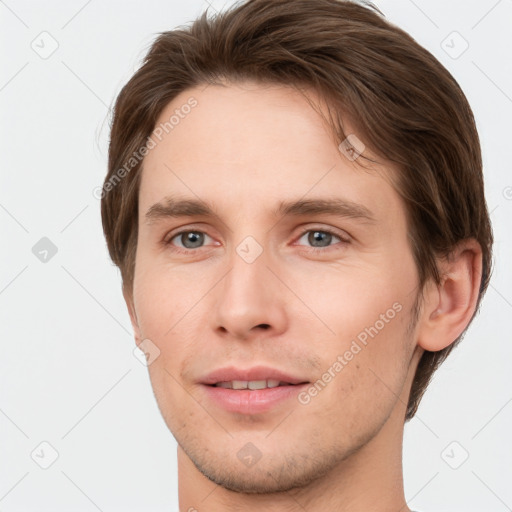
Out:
{"x": 255, "y": 401}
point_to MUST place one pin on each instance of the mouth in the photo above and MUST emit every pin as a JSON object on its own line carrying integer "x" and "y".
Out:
{"x": 253, "y": 384}
{"x": 255, "y": 391}
{"x": 254, "y": 378}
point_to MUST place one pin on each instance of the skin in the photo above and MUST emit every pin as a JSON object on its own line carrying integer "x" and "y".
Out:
{"x": 243, "y": 149}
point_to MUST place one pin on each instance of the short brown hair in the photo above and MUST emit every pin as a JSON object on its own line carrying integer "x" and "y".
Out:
{"x": 406, "y": 106}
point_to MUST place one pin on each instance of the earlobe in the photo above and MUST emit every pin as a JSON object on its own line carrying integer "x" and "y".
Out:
{"x": 449, "y": 306}
{"x": 128, "y": 298}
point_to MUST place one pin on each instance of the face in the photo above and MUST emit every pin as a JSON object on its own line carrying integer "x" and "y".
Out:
{"x": 296, "y": 268}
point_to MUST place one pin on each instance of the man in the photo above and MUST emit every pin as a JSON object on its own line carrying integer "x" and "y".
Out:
{"x": 295, "y": 201}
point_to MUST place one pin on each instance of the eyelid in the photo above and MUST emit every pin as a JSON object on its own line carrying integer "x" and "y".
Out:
{"x": 184, "y": 229}
{"x": 342, "y": 235}
{"x": 174, "y": 234}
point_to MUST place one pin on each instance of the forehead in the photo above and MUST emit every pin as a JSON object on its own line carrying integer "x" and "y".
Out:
{"x": 254, "y": 145}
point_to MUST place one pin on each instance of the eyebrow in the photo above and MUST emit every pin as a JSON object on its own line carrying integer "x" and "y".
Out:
{"x": 172, "y": 207}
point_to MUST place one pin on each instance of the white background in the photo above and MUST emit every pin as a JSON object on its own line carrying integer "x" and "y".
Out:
{"x": 68, "y": 375}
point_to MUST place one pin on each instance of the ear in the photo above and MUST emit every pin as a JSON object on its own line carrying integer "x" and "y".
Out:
{"x": 128, "y": 298}
{"x": 449, "y": 307}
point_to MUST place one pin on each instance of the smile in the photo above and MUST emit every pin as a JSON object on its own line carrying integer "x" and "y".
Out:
{"x": 251, "y": 384}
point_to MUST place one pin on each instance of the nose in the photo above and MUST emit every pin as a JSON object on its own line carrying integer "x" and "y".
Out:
{"x": 250, "y": 299}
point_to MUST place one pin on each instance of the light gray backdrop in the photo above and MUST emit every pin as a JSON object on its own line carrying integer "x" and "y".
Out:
{"x": 73, "y": 397}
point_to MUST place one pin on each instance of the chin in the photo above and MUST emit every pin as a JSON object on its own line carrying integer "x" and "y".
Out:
{"x": 278, "y": 474}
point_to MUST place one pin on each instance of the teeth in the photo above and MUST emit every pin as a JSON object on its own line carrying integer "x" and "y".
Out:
{"x": 252, "y": 384}
{"x": 257, "y": 384}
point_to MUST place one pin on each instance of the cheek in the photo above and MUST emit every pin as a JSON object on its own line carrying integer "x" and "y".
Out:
{"x": 364, "y": 368}
{"x": 364, "y": 316}
{"x": 165, "y": 298}
{"x": 165, "y": 311}
{"x": 345, "y": 300}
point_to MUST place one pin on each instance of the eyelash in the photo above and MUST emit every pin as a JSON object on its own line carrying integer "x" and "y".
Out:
{"x": 315, "y": 250}
{"x": 167, "y": 241}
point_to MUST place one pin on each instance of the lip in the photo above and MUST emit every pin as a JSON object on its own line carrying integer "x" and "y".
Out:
{"x": 247, "y": 401}
{"x": 230, "y": 373}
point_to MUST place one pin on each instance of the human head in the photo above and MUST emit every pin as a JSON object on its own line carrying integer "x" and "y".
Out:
{"x": 399, "y": 100}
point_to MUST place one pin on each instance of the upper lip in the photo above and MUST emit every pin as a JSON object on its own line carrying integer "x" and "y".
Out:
{"x": 231, "y": 373}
